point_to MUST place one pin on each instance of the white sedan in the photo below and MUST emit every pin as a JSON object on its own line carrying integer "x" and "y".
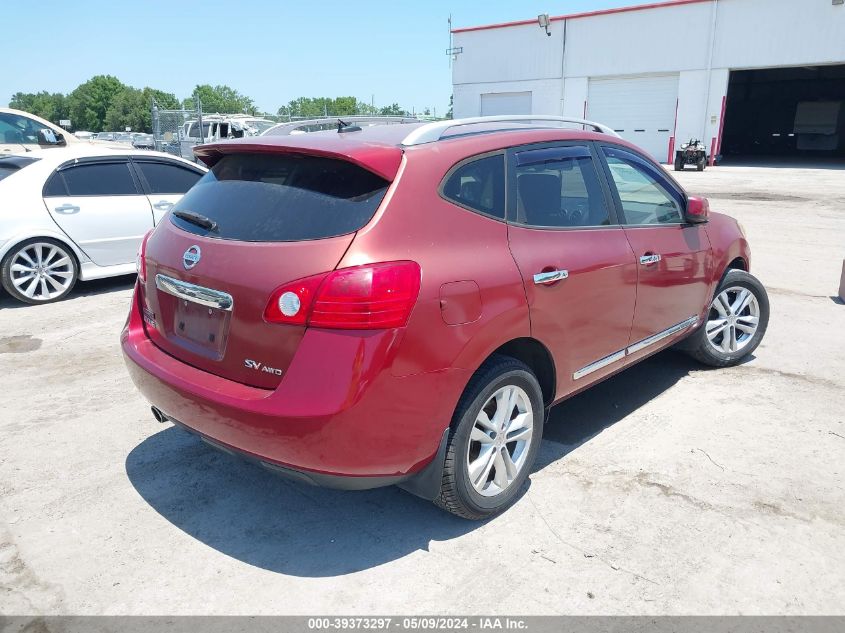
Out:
{"x": 80, "y": 212}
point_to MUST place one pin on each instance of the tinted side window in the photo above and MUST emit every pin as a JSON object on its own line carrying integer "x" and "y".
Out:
{"x": 479, "y": 185}
{"x": 646, "y": 196}
{"x": 559, "y": 187}
{"x": 101, "y": 179}
{"x": 168, "y": 178}
{"x": 18, "y": 129}
{"x": 55, "y": 186}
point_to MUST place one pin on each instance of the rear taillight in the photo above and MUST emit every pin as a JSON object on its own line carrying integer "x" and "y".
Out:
{"x": 141, "y": 260}
{"x": 370, "y": 297}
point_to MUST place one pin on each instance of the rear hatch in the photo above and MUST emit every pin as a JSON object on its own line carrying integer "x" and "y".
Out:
{"x": 258, "y": 220}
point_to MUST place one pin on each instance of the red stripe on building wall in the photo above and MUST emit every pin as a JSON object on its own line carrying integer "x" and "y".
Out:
{"x": 718, "y": 148}
{"x": 674, "y": 134}
{"x": 586, "y": 14}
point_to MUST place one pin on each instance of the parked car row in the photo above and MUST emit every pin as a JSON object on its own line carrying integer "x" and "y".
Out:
{"x": 80, "y": 212}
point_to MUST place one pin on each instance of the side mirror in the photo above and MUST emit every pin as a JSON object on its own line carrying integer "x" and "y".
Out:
{"x": 698, "y": 210}
{"x": 46, "y": 136}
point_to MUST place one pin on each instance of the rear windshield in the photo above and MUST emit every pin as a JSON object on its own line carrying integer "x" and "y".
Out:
{"x": 282, "y": 198}
{"x": 12, "y": 164}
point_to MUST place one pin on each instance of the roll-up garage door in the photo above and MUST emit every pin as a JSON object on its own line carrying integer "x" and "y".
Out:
{"x": 641, "y": 109}
{"x": 497, "y": 103}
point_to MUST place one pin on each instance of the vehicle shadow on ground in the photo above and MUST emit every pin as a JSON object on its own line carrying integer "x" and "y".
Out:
{"x": 264, "y": 520}
{"x": 582, "y": 417}
{"x": 81, "y": 289}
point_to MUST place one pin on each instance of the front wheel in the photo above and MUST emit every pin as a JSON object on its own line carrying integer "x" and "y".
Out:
{"x": 701, "y": 164}
{"x": 495, "y": 435}
{"x": 39, "y": 270}
{"x": 736, "y": 322}
{"x": 679, "y": 162}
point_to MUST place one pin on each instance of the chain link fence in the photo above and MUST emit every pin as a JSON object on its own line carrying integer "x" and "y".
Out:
{"x": 178, "y": 131}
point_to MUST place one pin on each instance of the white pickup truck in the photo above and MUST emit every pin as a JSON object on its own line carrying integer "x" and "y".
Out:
{"x": 216, "y": 127}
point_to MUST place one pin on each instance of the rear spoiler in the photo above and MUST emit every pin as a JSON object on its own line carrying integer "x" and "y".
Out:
{"x": 381, "y": 159}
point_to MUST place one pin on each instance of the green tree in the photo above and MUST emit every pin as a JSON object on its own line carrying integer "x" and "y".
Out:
{"x": 52, "y": 107}
{"x": 393, "y": 110}
{"x": 88, "y": 103}
{"x": 222, "y": 99}
{"x": 366, "y": 108}
{"x": 132, "y": 108}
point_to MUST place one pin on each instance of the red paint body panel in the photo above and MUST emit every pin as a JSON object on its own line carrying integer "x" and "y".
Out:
{"x": 375, "y": 403}
{"x": 678, "y": 286}
{"x": 331, "y": 414}
{"x": 378, "y": 157}
{"x": 588, "y": 315}
{"x": 460, "y": 302}
{"x": 247, "y": 271}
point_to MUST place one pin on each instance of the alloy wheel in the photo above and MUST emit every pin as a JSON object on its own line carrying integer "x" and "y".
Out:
{"x": 733, "y": 319}
{"x": 41, "y": 271}
{"x": 500, "y": 440}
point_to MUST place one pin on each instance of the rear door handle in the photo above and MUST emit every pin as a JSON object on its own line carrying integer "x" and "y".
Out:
{"x": 67, "y": 209}
{"x": 651, "y": 258}
{"x": 550, "y": 277}
{"x": 163, "y": 205}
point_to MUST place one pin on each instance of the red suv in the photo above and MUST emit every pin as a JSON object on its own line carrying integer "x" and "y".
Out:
{"x": 403, "y": 304}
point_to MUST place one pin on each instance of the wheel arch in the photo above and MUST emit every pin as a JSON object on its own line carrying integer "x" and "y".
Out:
{"x": 539, "y": 359}
{"x": 737, "y": 263}
{"x": 63, "y": 239}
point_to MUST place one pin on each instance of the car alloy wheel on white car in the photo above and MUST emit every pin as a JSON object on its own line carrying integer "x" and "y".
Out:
{"x": 39, "y": 271}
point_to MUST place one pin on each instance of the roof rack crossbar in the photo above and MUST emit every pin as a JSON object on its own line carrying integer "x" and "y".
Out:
{"x": 431, "y": 132}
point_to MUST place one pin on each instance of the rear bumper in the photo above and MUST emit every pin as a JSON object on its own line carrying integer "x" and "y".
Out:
{"x": 338, "y": 418}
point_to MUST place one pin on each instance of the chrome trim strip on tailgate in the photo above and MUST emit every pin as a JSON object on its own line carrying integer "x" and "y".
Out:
{"x": 636, "y": 347}
{"x": 196, "y": 294}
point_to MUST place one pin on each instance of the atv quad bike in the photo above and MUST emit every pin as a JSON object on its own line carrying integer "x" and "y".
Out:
{"x": 691, "y": 153}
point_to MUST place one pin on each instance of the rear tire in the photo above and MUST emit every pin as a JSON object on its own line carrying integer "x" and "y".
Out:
{"x": 679, "y": 163}
{"x": 39, "y": 270}
{"x": 735, "y": 323}
{"x": 484, "y": 472}
{"x": 701, "y": 164}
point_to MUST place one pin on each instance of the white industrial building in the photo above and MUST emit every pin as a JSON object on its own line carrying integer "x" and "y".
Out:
{"x": 748, "y": 77}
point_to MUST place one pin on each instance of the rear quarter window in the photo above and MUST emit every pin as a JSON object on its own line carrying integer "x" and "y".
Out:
{"x": 478, "y": 185}
{"x": 282, "y": 198}
{"x": 168, "y": 178}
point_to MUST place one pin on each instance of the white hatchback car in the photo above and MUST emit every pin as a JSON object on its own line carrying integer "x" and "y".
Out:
{"x": 80, "y": 212}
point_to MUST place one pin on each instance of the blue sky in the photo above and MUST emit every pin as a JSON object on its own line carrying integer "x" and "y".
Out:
{"x": 269, "y": 50}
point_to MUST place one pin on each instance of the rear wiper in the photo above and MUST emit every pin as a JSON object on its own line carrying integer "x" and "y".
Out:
{"x": 196, "y": 218}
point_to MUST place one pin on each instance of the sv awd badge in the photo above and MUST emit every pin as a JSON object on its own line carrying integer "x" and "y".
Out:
{"x": 254, "y": 364}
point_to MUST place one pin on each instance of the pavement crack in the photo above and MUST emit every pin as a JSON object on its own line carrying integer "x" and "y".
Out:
{"x": 581, "y": 550}
{"x": 706, "y": 454}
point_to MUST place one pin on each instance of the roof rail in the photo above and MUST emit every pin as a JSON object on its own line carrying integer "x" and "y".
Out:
{"x": 434, "y": 131}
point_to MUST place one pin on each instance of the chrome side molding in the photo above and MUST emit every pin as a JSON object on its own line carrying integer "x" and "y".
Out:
{"x": 654, "y": 338}
{"x": 636, "y": 347}
{"x": 196, "y": 294}
{"x": 602, "y": 362}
